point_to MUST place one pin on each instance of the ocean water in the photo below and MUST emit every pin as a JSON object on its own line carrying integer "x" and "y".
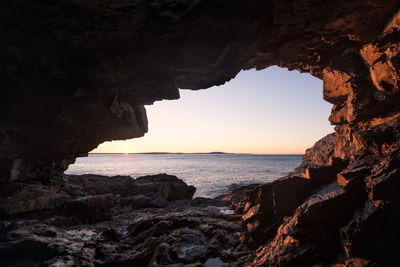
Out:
{"x": 211, "y": 174}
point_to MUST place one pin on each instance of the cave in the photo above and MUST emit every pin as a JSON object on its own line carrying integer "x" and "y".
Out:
{"x": 77, "y": 73}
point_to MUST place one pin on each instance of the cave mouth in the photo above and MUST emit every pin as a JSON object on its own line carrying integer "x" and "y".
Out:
{"x": 77, "y": 73}
{"x": 253, "y": 129}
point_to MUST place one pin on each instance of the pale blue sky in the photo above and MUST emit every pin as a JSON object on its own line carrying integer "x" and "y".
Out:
{"x": 269, "y": 111}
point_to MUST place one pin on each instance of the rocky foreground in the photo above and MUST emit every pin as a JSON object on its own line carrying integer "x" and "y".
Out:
{"x": 331, "y": 214}
{"x": 93, "y": 220}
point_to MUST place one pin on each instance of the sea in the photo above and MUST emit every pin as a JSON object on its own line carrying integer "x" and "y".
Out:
{"x": 211, "y": 174}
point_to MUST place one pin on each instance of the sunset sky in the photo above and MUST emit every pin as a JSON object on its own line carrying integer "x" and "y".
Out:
{"x": 273, "y": 111}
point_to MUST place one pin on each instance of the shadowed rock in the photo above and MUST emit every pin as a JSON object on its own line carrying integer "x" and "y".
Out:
{"x": 312, "y": 233}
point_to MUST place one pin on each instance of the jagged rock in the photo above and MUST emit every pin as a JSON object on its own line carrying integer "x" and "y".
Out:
{"x": 312, "y": 233}
{"x": 266, "y": 206}
{"x": 383, "y": 183}
{"x": 373, "y": 231}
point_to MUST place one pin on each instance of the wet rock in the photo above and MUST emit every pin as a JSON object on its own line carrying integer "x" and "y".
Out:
{"x": 179, "y": 235}
{"x": 185, "y": 244}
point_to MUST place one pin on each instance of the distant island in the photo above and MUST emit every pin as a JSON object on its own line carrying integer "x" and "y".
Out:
{"x": 214, "y": 152}
{"x": 192, "y": 153}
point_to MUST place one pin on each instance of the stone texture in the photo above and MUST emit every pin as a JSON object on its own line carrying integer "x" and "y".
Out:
{"x": 173, "y": 236}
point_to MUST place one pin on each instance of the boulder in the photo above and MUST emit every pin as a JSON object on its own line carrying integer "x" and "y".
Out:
{"x": 169, "y": 186}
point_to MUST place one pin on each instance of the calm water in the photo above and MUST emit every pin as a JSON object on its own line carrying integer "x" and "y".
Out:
{"x": 211, "y": 174}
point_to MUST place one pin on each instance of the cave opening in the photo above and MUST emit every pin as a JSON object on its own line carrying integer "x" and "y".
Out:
{"x": 253, "y": 129}
{"x": 77, "y": 73}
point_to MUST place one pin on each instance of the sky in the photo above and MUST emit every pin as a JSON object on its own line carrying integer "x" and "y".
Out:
{"x": 272, "y": 111}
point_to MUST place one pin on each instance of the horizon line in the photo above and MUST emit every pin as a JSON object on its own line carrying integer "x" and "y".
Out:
{"x": 216, "y": 153}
